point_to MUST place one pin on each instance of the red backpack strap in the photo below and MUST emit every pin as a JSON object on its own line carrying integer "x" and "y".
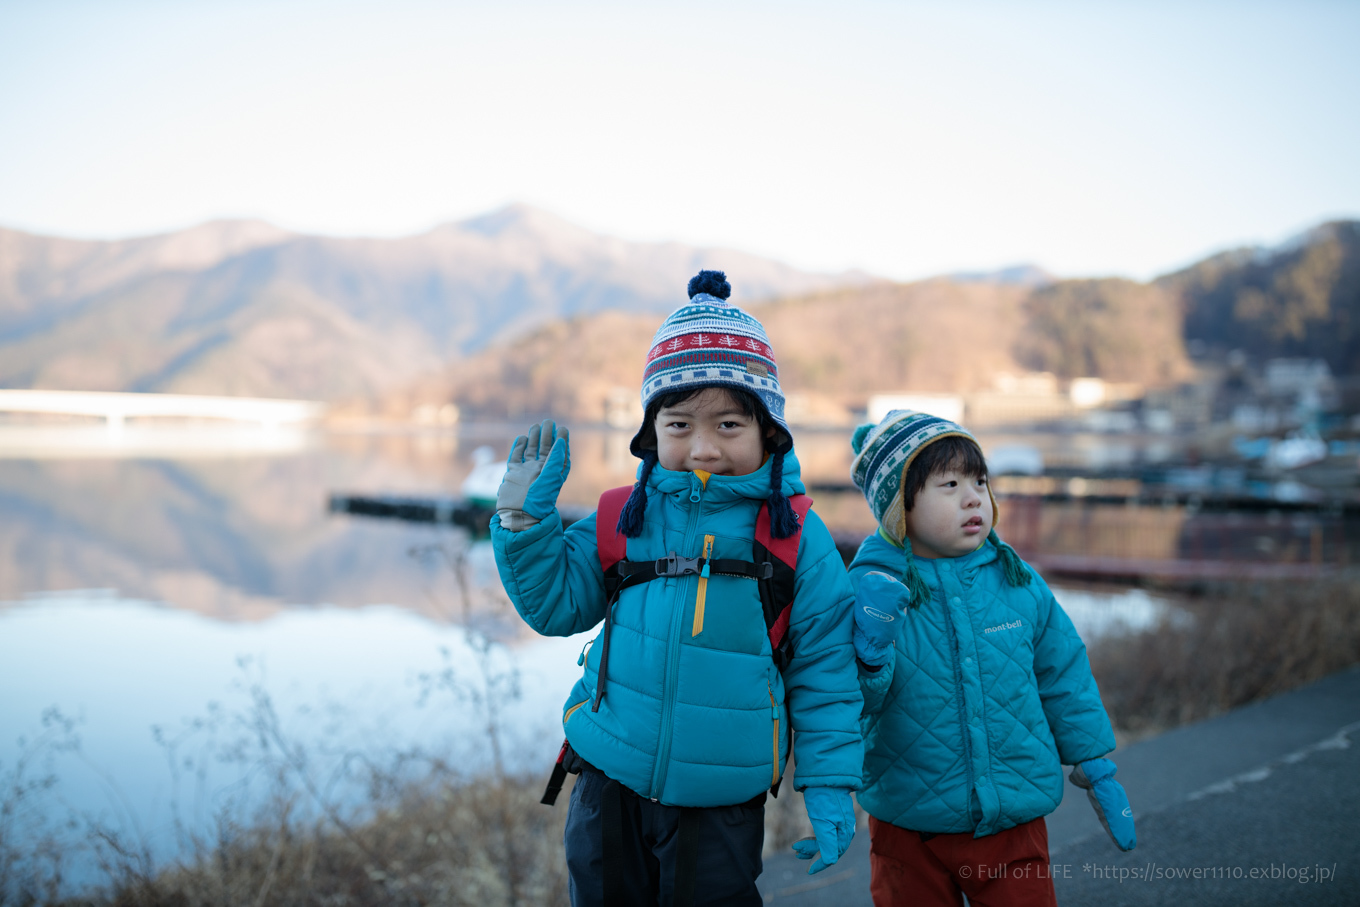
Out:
{"x": 776, "y": 593}
{"x": 785, "y": 550}
{"x": 612, "y": 544}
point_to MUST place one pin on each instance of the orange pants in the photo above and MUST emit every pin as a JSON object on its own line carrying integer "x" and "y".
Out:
{"x": 1007, "y": 869}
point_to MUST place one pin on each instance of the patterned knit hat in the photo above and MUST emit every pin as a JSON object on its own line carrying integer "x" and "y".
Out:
{"x": 883, "y": 454}
{"x": 711, "y": 343}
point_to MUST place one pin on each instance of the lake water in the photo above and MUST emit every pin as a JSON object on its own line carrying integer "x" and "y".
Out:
{"x": 176, "y": 605}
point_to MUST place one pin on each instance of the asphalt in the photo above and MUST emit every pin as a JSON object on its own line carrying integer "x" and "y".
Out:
{"x": 1257, "y": 806}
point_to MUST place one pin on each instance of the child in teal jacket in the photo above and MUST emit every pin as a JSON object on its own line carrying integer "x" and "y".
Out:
{"x": 686, "y": 709}
{"x": 977, "y": 688}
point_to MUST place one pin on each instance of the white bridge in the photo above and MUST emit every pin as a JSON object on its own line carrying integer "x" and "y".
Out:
{"x": 115, "y": 408}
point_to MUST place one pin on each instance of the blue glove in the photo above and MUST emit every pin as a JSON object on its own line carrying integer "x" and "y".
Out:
{"x": 833, "y": 822}
{"x": 879, "y": 606}
{"x": 534, "y": 472}
{"x": 1109, "y": 800}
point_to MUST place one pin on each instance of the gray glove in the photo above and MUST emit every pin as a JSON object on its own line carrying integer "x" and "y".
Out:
{"x": 534, "y": 472}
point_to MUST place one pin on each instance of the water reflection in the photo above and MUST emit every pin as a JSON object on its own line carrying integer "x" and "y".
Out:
{"x": 165, "y": 701}
{"x": 234, "y": 538}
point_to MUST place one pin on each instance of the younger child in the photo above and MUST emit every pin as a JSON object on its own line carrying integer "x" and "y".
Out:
{"x": 726, "y": 626}
{"x": 977, "y": 688}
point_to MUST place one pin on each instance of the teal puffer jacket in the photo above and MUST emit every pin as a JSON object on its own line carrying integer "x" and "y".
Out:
{"x": 989, "y": 694}
{"x": 695, "y": 712}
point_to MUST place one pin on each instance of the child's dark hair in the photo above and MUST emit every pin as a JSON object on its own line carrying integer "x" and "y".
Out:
{"x": 957, "y": 454}
{"x": 783, "y": 519}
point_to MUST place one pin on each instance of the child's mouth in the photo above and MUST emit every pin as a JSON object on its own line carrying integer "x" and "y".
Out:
{"x": 973, "y": 524}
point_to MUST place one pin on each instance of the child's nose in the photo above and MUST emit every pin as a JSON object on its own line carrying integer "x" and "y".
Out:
{"x": 704, "y": 447}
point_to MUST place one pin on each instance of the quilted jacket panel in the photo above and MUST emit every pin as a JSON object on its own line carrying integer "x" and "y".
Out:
{"x": 989, "y": 694}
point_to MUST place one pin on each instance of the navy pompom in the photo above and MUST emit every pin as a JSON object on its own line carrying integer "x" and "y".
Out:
{"x": 783, "y": 519}
{"x": 630, "y": 518}
{"x": 714, "y": 283}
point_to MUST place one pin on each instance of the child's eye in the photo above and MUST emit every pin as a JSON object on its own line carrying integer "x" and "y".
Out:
{"x": 678, "y": 426}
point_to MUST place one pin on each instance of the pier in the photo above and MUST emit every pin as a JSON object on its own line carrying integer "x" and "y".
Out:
{"x": 116, "y": 408}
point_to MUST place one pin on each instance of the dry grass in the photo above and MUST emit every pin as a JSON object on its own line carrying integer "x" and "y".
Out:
{"x": 487, "y": 843}
{"x": 1229, "y": 646}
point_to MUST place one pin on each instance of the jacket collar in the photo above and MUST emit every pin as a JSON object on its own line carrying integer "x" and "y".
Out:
{"x": 755, "y": 486}
{"x": 931, "y": 568}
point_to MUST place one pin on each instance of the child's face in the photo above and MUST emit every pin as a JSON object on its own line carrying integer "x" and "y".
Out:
{"x": 709, "y": 431}
{"x": 951, "y": 516}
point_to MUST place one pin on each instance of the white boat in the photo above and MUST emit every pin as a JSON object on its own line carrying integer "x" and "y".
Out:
{"x": 482, "y": 484}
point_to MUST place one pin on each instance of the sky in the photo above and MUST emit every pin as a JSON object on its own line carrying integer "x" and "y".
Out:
{"x": 904, "y": 139}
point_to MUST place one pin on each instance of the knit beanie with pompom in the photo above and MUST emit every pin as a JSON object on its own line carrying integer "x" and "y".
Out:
{"x": 883, "y": 455}
{"x": 709, "y": 342}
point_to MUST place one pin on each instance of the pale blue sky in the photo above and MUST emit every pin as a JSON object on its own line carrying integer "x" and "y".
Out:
{"x": 903, "y": 138}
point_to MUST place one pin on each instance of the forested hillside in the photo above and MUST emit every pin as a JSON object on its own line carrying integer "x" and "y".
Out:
{"x": 833, "y": 348}
{"x": 1302, "y": 299}
{"x": 1115, "y": 329}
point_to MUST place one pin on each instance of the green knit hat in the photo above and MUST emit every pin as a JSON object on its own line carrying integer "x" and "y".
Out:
{"x": 883, "y": 454}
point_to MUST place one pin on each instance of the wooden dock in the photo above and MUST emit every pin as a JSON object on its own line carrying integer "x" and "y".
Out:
{"x": 474, "y": 517}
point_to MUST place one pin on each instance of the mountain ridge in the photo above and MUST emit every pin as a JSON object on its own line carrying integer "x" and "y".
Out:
{"x": 245, "y": 307}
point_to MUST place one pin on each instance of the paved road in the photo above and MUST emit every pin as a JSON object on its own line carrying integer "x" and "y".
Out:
{"x": 1269, "y": 792}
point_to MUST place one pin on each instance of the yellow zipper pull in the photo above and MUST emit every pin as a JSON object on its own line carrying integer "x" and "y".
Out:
{"x": 702, "y": 594}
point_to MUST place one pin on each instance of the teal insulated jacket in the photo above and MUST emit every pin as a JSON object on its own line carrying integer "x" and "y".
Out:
{"x": 695, "y": 712}
{"x": 988, "y": 695}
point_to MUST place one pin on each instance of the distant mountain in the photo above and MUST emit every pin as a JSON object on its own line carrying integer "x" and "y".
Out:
{"x": 1299, "y": 299}
{"x": 517, "y": 310}
{"x": 1023, "y": 275}
{"x": 241, "y": 307}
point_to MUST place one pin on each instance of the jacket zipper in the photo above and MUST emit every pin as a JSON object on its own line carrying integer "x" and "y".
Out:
{"x": 572, "y": 710}
{"x": 774, "y": 714}
{"x": 702, "y": 595}
{"x": 663, "y": 750}
{"x": 958, "y": 685}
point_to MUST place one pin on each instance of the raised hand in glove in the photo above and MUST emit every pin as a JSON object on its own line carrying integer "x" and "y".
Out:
{"x": 879, "y": 606}
{"x": 1108, "y": 799}
{"x": 534, "y": 472}
{"x": 833, "y": 822}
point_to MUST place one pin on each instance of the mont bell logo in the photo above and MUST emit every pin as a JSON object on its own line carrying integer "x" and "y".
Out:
{"x": 1015, "y": 624}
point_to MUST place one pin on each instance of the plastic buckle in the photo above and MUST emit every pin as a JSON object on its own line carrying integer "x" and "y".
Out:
{"x": 677, "y": 566}
{"x": 766, "y": 570}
